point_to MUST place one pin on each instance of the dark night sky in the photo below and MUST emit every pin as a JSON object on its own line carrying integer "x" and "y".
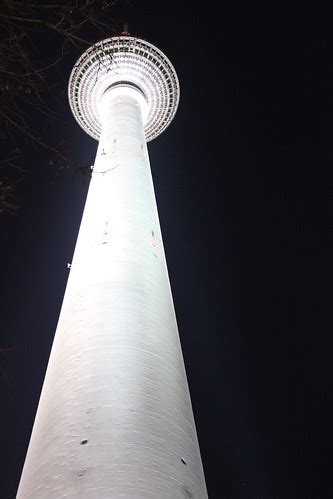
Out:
{"x": 241, "y": 188}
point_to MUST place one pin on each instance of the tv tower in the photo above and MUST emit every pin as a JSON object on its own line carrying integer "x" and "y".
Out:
{"x": 114, "y": 418}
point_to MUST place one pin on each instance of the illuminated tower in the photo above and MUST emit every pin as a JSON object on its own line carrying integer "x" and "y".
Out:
{"x": 115, "y": 419}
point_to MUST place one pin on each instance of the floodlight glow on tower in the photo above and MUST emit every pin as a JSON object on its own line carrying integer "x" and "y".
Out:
{"x": 114, "y": 418}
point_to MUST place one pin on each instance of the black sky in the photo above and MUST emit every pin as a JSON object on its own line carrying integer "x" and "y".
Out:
{"x": 241, "y": 179}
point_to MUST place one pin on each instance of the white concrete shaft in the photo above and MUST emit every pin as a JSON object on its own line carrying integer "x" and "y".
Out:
{"x": 115, "y": 418}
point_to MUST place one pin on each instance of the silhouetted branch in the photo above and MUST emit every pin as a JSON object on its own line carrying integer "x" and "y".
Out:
{"x": 35, "y": 40}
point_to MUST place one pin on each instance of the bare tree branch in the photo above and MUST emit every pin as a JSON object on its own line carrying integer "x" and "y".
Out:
{"x": 33, "y": 92}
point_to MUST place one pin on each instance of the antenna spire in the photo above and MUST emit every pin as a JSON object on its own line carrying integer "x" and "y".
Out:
{"x": 125, "y": 31}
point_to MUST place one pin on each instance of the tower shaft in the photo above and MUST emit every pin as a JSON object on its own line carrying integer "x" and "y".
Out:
{"x": 115, "y": 418}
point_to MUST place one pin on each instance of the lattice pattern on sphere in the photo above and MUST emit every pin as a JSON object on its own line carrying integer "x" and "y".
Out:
{"x": 124, "y": 59}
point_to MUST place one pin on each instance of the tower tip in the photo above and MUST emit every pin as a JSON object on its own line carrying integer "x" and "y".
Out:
{"x": 125, "y": 31}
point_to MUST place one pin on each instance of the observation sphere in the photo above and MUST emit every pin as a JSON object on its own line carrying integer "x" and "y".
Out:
{"x": 124, "y": 61}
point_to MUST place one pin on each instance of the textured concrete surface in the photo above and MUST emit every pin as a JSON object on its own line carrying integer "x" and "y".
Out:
{"x": 115, "y": 418}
